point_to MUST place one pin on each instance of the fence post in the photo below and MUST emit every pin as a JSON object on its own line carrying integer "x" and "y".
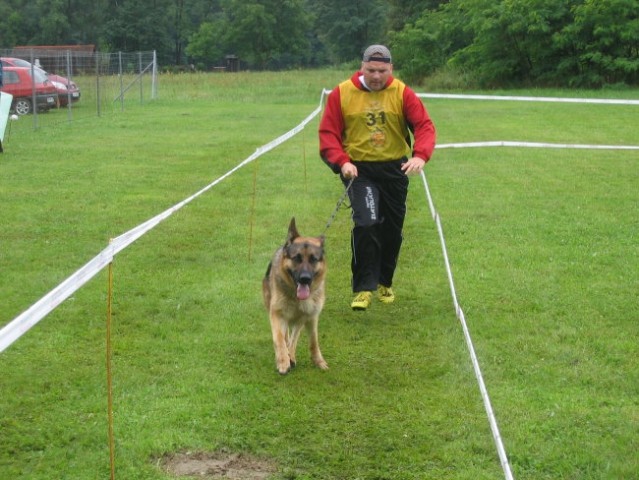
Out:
{"x": 69, "y": 77}
{"x": 34, "y": 101}
{"x": 141, "y": 69}
{"x": 98, "y": 57}
{"x": 121, "y": 80}
{"x": 154, "y": 86}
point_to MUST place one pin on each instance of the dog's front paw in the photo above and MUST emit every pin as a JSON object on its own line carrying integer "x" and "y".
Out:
{"x": 284, "y": 367}
{"x": 321, "y": 363}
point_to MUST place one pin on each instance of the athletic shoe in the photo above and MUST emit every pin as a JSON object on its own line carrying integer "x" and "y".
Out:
{"x": 385, "y": 294}
{"x": 362, "y": 300}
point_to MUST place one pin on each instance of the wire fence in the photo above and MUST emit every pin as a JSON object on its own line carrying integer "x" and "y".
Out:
{"x": 86, "y": 83}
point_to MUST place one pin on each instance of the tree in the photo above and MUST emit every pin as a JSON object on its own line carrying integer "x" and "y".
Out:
{"x": 12, "y": 23}
{"x": 140, "y": 25}
{"x": 186, "y": 17}
{"x": 178, "y": 30}
{"x": 205, "y": 45}
{"x": 19, "y": 22}
{"x": 425, "y": 46}
{"x": 603, "y": 41}
{"x": 513, "y": 40}
{"x": 526, "y": 42}
{"x": 492, "y": 42}
{"x": 346, "y": 28}
{"x": 54, "y": 22}
{"x": 262, "y": 33}
{"x": 402, "y": 12}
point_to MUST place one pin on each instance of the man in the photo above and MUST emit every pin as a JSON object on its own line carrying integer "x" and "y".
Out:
{"x": 365, "y": 136}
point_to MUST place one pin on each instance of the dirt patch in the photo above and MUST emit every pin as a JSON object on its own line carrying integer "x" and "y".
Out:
{"x": 217, "y": 465}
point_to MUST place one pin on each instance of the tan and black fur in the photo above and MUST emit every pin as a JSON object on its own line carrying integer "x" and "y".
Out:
{"x": 293, "y": 291}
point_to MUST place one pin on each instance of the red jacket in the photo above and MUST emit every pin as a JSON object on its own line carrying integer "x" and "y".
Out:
{"x": 332, "y": 126}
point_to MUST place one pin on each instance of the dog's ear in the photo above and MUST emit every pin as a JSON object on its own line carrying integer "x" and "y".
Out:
{"x": 321, "y": 239}
{"x": 292, "y": 232}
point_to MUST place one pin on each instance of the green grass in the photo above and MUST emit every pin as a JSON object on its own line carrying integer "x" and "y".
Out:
{"x": 542, "y": 244}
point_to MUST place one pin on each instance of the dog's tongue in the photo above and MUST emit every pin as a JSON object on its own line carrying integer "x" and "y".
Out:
{"x": 303, "y": 291}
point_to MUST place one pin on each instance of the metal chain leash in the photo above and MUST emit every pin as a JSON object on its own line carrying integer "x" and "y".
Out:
{"x": 339, "y": 204}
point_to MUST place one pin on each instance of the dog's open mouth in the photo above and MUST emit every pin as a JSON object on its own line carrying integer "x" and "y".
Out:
{"x": 303, "y": 291}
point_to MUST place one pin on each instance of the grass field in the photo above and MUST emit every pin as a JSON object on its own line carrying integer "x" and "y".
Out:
{"x": 542, "y": 244}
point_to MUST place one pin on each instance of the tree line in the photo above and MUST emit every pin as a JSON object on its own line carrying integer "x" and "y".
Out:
{"x": 576, "y": 43}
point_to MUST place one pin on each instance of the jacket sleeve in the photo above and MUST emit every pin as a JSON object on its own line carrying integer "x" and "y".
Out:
{"x": 420, "y": 124}
{"x": 330, "y": 133}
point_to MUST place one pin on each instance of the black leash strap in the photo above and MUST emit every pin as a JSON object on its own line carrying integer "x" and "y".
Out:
{"x": 339, "y": 204}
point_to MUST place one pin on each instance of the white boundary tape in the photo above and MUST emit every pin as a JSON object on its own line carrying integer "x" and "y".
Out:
{"x": 606, "y": 101}
{"x": 537, "y": 145}
{"x": 501, "y": 451}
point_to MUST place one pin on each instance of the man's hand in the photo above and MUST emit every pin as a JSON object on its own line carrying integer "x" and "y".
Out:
{"x": 349, "y": 170}
{"x": 413, "y": 166}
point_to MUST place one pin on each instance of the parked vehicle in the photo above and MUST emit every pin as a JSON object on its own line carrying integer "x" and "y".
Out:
{"x": 18, "y": 82}
{"x": 66, "y": 88}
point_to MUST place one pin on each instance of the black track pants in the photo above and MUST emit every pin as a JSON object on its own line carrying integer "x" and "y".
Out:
{"x": 378, "y": 200}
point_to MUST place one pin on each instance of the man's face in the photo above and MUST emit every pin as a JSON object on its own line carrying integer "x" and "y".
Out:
{"x": 376, "y": 74}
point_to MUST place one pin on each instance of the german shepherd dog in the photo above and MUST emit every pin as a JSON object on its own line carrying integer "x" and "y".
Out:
{"x": 293, "y": 292}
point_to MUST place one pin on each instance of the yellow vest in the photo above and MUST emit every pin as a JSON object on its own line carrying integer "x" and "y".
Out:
{"x": 375, "y": 128}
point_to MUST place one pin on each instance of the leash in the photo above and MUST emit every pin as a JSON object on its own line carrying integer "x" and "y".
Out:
{"x": 339, "y": 204}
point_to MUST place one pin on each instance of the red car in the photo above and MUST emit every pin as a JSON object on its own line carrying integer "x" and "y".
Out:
{"x": 66, "y": 88}
{"x": 17, "y": 81}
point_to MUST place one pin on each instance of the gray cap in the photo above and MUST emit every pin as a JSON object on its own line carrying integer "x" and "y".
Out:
{"x": 377, "y": 53}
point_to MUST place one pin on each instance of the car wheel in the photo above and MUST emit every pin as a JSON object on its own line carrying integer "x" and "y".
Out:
{"x": 22, "y": 106}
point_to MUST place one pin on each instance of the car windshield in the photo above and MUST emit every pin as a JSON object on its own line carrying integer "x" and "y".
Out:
{"x": 18, "y": 62}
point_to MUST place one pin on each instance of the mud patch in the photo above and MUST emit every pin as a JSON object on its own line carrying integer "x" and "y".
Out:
{"x": 217, "y": 465}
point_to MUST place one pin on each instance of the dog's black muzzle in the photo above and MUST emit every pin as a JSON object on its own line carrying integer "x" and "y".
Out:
{"x": 304, "y": 278}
